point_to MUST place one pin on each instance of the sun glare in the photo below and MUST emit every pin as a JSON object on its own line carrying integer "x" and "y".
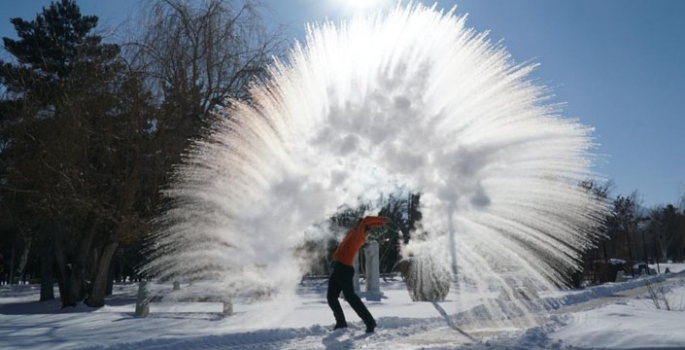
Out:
{"x": 360, "y": 4}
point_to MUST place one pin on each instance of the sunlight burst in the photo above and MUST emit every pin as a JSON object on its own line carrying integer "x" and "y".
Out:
{"x": 360, "y": 4}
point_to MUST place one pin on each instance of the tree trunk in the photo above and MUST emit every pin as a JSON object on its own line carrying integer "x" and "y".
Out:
{"x": 110, "y": 280}
{"x": 63, "y": 271}
{"x": 46, "y": 272}
{"x": 79, "y": 271}
{"x": 91, "y": 270}
{"x": 70, "y": 285}
{"x": 97, "y": 299}
{"x": 71, "y": 273}
{"x": 663, "y": 249}
{"x": 12, "y": 266}
{"x": 23, "y": 259}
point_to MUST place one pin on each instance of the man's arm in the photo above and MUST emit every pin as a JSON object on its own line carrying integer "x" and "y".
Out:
{"x": 373, "y": 221}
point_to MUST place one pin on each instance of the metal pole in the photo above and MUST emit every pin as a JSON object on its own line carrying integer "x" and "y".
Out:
{"x": 452, "y": 239}
{"x": 355, "y": 278}
{"x": 630, "y": 255}
{"x": 656, "y": 255}
{"x": 644, "y": 248}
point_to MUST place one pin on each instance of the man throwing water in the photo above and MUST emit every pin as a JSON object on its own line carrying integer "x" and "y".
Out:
{"x": 343, "y": 272}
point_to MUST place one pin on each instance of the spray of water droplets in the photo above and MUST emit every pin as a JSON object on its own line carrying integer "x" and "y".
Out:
{"x": 411, "y": 100}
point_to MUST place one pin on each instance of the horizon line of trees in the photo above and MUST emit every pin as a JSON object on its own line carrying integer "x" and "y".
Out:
{"x": 634, "y": 233}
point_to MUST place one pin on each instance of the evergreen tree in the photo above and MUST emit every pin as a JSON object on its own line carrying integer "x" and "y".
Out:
{"x": 73, "y": 134}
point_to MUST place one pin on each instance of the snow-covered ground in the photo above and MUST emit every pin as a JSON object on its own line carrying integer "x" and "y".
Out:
{"x": 615, "y": 315}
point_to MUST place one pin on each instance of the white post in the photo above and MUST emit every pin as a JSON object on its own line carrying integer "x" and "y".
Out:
{"x": 142, "y": 302}
{"x": 228, "y": 306}
{"x": 373, "y": 275}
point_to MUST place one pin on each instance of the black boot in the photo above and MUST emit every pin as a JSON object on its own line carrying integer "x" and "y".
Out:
{"x": 339, "y": 325}
{"x": 371, "y": 327}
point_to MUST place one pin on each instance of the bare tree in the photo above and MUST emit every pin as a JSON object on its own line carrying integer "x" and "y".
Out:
{"x": 194, "y": 56}
{"x": 207, "y": 53}
{"x": 197, "y": 55}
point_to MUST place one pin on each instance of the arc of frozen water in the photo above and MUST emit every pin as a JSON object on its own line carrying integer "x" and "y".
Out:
{"x": 364, "y": 108}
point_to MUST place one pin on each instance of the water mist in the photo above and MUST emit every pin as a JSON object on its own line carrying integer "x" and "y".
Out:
{"x": 411, "y": 100}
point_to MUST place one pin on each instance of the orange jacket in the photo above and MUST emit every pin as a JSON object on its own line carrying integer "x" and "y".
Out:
{"x": 355, "y": 239}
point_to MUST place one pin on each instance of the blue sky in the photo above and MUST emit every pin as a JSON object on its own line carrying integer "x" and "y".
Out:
{"x": 618, "y": 64}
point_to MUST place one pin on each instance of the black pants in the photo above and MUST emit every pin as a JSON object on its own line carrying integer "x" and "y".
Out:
{"x": 341, "y": 280}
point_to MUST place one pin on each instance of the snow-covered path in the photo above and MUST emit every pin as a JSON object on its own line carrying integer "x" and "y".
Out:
{"x": 610, "y": 316}
{"x": 398, "y": 333}
{"x": 638, "y": 288}
{"x": 395, "y": 336}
